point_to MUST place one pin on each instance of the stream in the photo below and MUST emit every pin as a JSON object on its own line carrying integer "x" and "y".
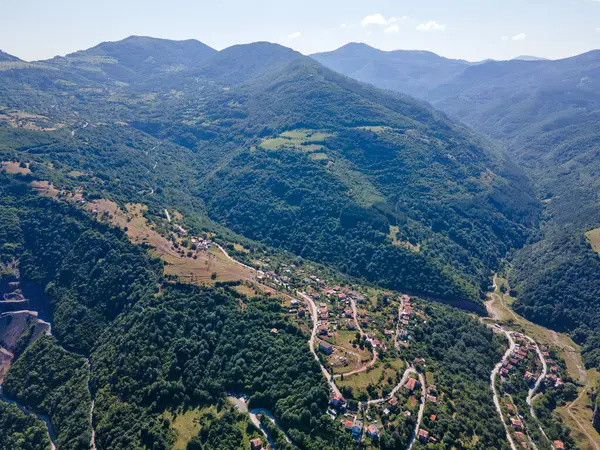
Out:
{"x": 28, "y": 411}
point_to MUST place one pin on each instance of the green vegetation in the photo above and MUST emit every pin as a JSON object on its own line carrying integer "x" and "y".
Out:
{"x": 55, "y": 383}
{"x": 20, "y": 431}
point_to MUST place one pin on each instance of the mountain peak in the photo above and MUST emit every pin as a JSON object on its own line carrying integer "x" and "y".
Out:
{"x": 5, "y": 57}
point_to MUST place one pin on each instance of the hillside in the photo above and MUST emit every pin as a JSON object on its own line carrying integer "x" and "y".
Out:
{"x": 546, "y": 114}
{"x": 5, "y": 57}
{"x": 429, "y": 205}
{"x": 134, "y": 58}
{"x": 124, "y": 193}
{"x": 409, "y": 71}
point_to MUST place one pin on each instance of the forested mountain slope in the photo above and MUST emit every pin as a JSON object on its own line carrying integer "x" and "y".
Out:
{"x": 429, "y": 206}
{"x": 546, "y": 114}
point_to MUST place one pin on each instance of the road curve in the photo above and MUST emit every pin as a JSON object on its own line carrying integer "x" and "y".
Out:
{"x": 311, "y": 341}
{"x": 421, "y": 411}
{"x": 510, "y": 349}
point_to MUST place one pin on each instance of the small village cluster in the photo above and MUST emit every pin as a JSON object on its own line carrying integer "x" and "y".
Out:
{"x": 525, "y": 356}
{"x": 192, "y": 244}
{"x": 516, "y": 423}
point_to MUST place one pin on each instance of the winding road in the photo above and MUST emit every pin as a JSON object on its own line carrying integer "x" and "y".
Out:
{"x": 493, "y": 376}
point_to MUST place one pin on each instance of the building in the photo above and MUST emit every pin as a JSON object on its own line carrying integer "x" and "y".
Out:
{"x": 423, "y": 436}
{"x": 372, "y": 431}
{"x": 336, "y": 401}
{"x": 516, "y": 423}
{"x": 256, "y": 444}
{"x": 393, "y": 403}
{"x": 558, "y": 445}
{"x": 357, "y": 431}
{"x": 348, "y": 425}
{"x": 326, "y": 347}
{"x": 412, "y": 384}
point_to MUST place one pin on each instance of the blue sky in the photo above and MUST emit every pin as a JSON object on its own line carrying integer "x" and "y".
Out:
{"x": 468, "y": 29}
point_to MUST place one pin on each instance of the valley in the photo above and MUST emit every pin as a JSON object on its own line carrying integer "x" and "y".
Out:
{"x": 247, "y": 248}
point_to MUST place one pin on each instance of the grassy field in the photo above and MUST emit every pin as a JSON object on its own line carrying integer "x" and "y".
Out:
{"x": 186, "y": 425}
{"x": 394, "y": 237}
{"x": 192, "y": 270}
{"x": 578, "y": 415}
{"x": 377, "y": 375}
{"x": 14, "y": 168}
{"x": 303, "y": 140}
{"x": 593, "y": 237}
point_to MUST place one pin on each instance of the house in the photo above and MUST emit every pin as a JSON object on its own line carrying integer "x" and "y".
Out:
{"x": 407, "y": 413}
{"x": 423, "y": 436}
{"x": 274, "y": 331}
{"x": 357, "y": 430}
{"x": 372, "y": 431}
{"x": 516, "y": 423}
{"x": 326, "y": 347}
{"x": 301, "y": 312}
{"x": 510, "y": 408}
{"x": 348, "y": 425}
{"x": 433, "y": 417}
{"x": 519, "y": 436}
{"x": 528, "y": 375}
{"x": 348, "y": 312}
{"x": 351, "y": 325}
{"x": 432, "y": 389}
{"x": 256, "y": 444}
{"x": 336, "y": 400}
{"x": 393, "y": 403}
{"x": 412, "y": 384}
{"x": 558, "y": 445}
{"x": 324, "y": 330}
{"x": 432, "y": 398}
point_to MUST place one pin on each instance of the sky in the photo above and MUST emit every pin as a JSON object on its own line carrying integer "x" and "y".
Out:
{"x": 467, "y": 29}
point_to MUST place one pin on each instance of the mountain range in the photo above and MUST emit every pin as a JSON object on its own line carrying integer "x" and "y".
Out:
{"x": 399, "y": 171}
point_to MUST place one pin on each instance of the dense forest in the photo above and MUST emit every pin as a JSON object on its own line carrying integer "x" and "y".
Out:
{"x": 54, "y": 382}
{"x": 20, "y": 431}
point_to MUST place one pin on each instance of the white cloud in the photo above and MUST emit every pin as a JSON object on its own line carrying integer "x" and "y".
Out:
{"x": 505, "y": 38}
{"x": 393, "y": 29}
{"x": 519, "y": 37}
{"x": 343, "y": 25}
{"x": 295, "y": 35}
{"x": 374, "y": 19}
{"x": 400, "y": 19}
{"x": 432, "y": 25}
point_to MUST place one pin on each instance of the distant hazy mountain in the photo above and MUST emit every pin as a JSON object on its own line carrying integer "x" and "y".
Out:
{"x": 408, "y": 71}
{"x": 5, "y": 57}
{"x": 529, "y": 58}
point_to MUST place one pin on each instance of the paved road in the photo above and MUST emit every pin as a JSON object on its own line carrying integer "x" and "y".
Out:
{"x": 510, "y": 349}
{"x": 538, "y": 382}
{"x": 421, "y": 411}
{"x": 313, "y": 336}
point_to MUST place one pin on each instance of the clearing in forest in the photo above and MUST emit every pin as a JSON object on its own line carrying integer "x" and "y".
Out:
{"x": 593, "y": 236}
{"x": 394, "y": 231}
{"x": 13, "y": 168}
{"x": 198, "y": 267}
{"x": 303, "y": 140}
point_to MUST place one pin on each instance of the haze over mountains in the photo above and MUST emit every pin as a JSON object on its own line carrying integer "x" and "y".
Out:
{"x": 397, "y": 171}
